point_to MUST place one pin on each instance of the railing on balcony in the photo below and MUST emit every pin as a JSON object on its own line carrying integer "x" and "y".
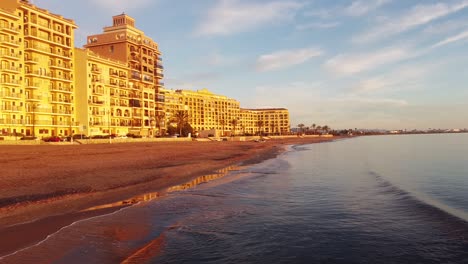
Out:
{"x": 55, "y": 88}
{"x": 10, "y": 95}
{"x": 12, "y": 121}
{"x": 96, "y": 69}
{"x": 61, "y": 100}
{"x": 9, "y": 68}
{"x": 12, "y": 108}
{"x": 10, "y": 81}
{"x": 9, "y": 55}
{"x": 61, "y": 111}
{"x": 99, "y": 102}
{"x": 33, "y": 97}
{"x": 98, "y": 91}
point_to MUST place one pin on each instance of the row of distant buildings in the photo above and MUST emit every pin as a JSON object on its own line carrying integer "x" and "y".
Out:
{"x": 113, "y": 85}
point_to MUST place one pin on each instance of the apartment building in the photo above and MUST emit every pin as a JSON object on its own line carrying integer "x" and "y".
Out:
{"x": 108, "y": 97}
{"x": 209, "y": 111}
{"x": 270, "y": 121}
{"x": 37, "y": 73}
{"x": 205, "y": 110}
{"x": 124, "y": 42}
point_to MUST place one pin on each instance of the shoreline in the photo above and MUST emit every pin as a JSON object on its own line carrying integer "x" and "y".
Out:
{"x": 44, "y": 197}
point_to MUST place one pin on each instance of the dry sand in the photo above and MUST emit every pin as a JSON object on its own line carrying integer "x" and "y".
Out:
{"x": 37, "y": 182}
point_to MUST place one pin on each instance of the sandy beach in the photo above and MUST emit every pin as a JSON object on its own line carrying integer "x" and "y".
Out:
{"x": 48, "y": 185}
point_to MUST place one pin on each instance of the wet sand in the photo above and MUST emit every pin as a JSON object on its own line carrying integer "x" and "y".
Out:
{"x": 44, "y": 188}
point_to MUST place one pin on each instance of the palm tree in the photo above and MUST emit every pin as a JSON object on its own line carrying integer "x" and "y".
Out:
{"x": 318, "y": 129}
{"x": 181, "y": 117}
{"x": 326, "y": 128}
{"x": 159, "y": 118}
{"x": 313, "y": 127}
{"x": 300, "y": 126}
{"x": 260, "y": 124}
{"x": 272, "y": 126}
{"x": 234, "y": 125}
{"x": 223, "y": 123}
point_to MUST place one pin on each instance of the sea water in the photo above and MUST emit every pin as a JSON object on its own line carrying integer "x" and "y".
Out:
{"x": 381, "y": 199}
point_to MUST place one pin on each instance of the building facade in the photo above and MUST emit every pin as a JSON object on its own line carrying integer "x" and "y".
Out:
{"x": 208, "y": 111}
{"x": 37, "y": 73}
{"x": 124, "y": 42}
{"x": 270, "y": 121}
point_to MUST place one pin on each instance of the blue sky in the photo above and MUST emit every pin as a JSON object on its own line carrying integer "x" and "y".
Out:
{"x": 394, "y": 64}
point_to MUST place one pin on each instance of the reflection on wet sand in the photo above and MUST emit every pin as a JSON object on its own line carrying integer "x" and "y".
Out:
{"x": 154, "y": 195}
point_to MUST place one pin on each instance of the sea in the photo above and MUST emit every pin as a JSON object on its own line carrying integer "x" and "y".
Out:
{"x": 373, "y": 199}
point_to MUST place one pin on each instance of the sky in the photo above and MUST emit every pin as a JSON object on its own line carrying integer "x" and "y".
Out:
{"x": 375, "y": 64}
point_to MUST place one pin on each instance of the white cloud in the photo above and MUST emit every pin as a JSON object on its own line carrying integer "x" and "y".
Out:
{"x": 120, "y": 6}
{"x": 359, "y": 8}
{"x": 446, "y": 26}
{"x": 356, "y": 63}
{"x": 458, "y": 37}
{"x": 318, "y": 25}
{"x": 402, "y": 78}
{"x": 417, "y": 16}
{"x": 370, "y": 101}
{"x": 233, "y": 16}
{"x": 286, "y": 58}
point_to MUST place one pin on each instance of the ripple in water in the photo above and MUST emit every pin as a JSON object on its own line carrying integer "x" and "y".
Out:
{"x": 365, "y": 200}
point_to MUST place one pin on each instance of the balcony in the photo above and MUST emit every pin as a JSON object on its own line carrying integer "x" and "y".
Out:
{"x": 8, "y": 68}
{"x": 122, "y": 84}
{"x": 96, "y": 70}
{"x": 114, "y": 73}
{"x": 30, "y": 59}
{"x": 97, "y": 102}
{"x": 159, "y": 75}
{"x": 38, "y": 48}
{"x": 12, "y": 121}
{"x": 12, "y": 108}
{"x": 63, "y": 54}
{"x": 63, "y": 89}
{"x": 9, "y": 55}
{"x": 33, "y": 85}
{"x": 8, "y": 95}
{"x": 147, "y": 78}
{"x": 99, "y": 80}
{"x": 5, "y": 42}
{"x": 56, "y": 100}
{"x": 33, "y": 98}
{"x": 61, "y": 123}
{"x": 98, "y": 91}
{"x": 62, "y": 66}
{"x": 63, "y": 78}
{"x": 9, "y": 29}
{"x": 123, "y": 75}
{"x": 98, "y": 113}
{"x": 61, "y": 111}
{"x": 10, "y": 82}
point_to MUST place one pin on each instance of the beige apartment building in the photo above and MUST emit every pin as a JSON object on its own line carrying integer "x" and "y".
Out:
{"x": 208, "y": 111}
{"x": 37, "y": 74}
{"x": 107, "y": 96}
{"x": 124, "y": 42}
{"x": 270, "y": 121}
{"x": 205, "y": 110}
